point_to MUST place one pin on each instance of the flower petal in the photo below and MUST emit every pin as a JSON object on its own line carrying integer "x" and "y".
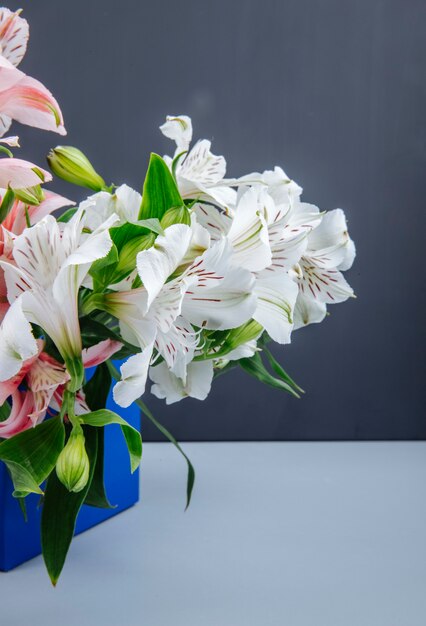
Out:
{"x": 17, "y": 174}
{"x": 249, "y": 233}
{"x": 14, "y": 34}
{"x": 179, "y": 129}
{"x": 156, "y": 264}
{"x": 219, "y": 296}
{"x": 171, "y": 388}
{"x": 17, "y": 343}
{"x": 134, "y": 373}
{"x": 276, "y": 298}
{"x": 100, "y": 352}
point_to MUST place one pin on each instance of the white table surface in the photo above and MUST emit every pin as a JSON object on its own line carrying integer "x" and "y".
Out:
{"x": 278, "y": 534}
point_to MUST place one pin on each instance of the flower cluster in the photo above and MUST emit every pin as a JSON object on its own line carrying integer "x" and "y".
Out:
{"x": 181, "y": 283}
{"x": 229, "y": 262}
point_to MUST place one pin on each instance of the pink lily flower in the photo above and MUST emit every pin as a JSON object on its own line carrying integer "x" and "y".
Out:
{"x": 19, "y": 419}
{"x": 17, "y": 174}
{"x": 45, "y": 379}
{"x": 22, "y": 98}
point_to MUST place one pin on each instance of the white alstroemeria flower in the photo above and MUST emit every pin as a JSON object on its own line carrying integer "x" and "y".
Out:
{"x": 329, "y": 250}
{"x": 178, "y": 128}
{"x": 266, "y": 242}
{"x": 171, "y": 388}
{"x": 49, "y": 264}
{"x": 125, "y": 203}
{"x": 210, "y": 293}
{"x": 280, "y": 187}
{"x": 134, "y": 373}
{"x": 17, "y": 343}
{"x": 199, "y": 173}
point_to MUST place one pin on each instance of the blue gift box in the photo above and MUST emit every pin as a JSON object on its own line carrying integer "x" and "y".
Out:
{"x": 20, "y": 540}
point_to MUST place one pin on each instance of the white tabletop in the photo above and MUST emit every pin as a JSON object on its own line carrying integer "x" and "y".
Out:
{"x": 278, "y": 534}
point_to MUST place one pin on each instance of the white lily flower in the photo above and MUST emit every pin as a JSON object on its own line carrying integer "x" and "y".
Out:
{"x": 210, "y": 293}
{"x": 134, "y": 373}
{"x": 178, "y": 128}
{"x": 125, "y": 203}
{"x": 49, "y": 267}
{"x": 199, "y": 173}
{"x": 171, "y": 388}
{"x": 318, "y": 274}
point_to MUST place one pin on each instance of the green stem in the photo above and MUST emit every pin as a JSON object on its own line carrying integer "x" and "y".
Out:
{"x": 145, "y": 410}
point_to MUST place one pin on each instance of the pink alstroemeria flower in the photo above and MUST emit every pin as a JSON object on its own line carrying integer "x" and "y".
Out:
{"x": 22, "y": 98}
{"x": 45, "y": 379}
{"x": 15, "y": 223}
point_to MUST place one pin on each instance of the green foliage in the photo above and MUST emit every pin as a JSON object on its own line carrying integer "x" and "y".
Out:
{"x": 160, "y": 192}
{"x": 32, "y": 455}
{"x": 96, "y": 393}
{"x": 256, "y": 368}
{"x": 6, "y": 204}
{"x": 147, "y": 413}
{"x": 60, "y": 510}
{"x": 103, "y": 417}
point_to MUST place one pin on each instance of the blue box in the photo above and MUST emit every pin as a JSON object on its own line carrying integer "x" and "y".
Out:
{"x": 20, "y": 540}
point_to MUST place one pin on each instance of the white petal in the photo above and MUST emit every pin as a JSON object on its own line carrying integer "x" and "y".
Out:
{"x": 156, "y": 264}
{"x": 14, "y": 33}
{"x": 219, "y": 296}
{"x": 276, "y": 298}
{"x": 348, "y": 259}
{"x": 17, "y": 342}
{"x": 179, "y": 129}
{"x": 249, "y": 233}
{"x": 202, "y": 167}
{"x": 308, "y": 311}
{"x": 216, "y": 221}
{"x": 324, "y": 285}
{"x": 134, "y": 373}
{"x": 171, "y": 388}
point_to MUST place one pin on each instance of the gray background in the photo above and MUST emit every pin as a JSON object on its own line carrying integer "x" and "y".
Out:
{"x": 334, "y": 91}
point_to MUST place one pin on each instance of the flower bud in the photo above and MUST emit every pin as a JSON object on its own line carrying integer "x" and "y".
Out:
{"x": 30, "y": 195}
{"x": 73, "y": 166}
{"x": 176, "y": 215}
{"x": 127, "y": 257}
{"x": 72, "y": 466}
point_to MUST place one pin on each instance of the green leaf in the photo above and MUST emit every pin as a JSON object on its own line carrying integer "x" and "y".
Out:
{"x": 147, "y": 413}
{"x": 152, "y": 224}
{"x": 67, "y": 215}
{"x": 103, "y": 417}
{"x": 160, "y": 192}
{"x": 255, "y": 367}
{"x": 280, "y": 371}
{"x": 5, "y": 411}
{"x": 191, "y": 472}
{"x": 6, "y": 205}
{"x": 32, "y": 454}
{"x": 96, "y": 393}
{"x": 60, "y": 510}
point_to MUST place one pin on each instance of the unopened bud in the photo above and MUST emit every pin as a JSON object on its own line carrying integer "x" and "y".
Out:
{"x": 30, "y": 195}
{"x": 176, "y": 215}
{"x": 73, "y": 166}
{"x": 127, "y": 257}
{"x": 72, "y": 466}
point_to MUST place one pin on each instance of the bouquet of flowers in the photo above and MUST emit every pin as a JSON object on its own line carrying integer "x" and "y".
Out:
{"x": 183, "y": 282}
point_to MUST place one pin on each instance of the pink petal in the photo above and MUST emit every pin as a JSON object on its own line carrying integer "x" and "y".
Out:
{"x": 16, "y": 222}
{"x": 18, "y": 420}
{"x": 29, "y": 102}
{"x": 100, "y": 352}
{"x": 16, "y": 173}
